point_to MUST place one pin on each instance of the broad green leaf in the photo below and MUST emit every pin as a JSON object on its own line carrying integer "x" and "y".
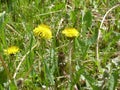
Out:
{"x": 3, "y": 76}
{"x": 113, "y": 80}
{"x": 10, "y": 4}
{"x": 92, "y": 82}
{"x": 76, "y": 76}
{"x": 84, "y": 47}
{"x": 1, "y": 87}
{"x": 93, "y": 38}
{"x": 87, "y": 19}
{"x": 77, "y": 3}
{"x": 73, "y": 16}
{"x": 13, "y": 86}
{"x": 58, "y": 6}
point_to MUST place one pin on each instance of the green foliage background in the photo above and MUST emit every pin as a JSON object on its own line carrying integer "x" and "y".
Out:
{"x": 40, "y": 68}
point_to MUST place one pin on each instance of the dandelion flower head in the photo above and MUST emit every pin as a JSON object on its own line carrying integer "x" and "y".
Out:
{"x": 11, "y": 50}
{"x": 43, "y": 31}
{"x": 70, "y": 32}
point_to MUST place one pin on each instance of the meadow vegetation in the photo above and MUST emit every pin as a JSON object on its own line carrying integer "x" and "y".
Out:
{"x": 59, "y": 44}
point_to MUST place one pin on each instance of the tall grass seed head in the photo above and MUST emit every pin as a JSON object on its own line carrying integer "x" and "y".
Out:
{"x": 11, "y": 50}
{"x": 70, "y": 32}
{"x": 43, "y": 31}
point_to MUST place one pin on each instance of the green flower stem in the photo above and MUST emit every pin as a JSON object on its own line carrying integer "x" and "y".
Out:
{"x": 70, "y": 58}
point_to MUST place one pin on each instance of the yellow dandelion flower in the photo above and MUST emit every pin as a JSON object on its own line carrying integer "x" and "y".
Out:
{"x": 70, "y": 32}
{"x": 43, "y": 31}
{"x": 11, "y": 50}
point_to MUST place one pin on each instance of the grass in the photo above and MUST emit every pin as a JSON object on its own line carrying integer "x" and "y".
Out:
{"x": 60, "y": 63}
